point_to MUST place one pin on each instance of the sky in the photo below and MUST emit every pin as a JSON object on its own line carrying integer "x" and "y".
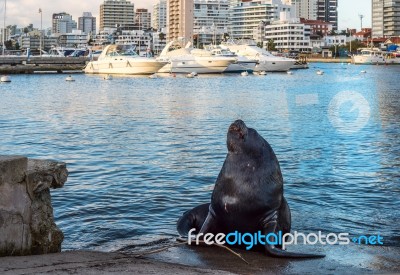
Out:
{"x": 24, "y": 12}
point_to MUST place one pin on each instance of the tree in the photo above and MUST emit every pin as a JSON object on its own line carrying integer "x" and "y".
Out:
{"x": 259, "y": 44}
{"x": 161, "y": 36}
{"x": 8, "y": 44}
{"x": 226, "y": 36}
{"x": 271, "y": 45}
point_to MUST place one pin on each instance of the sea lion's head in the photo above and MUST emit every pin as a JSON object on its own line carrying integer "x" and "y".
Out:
{"x": 241, "y": 139}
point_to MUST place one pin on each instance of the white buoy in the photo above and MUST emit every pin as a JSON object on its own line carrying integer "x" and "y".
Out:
{"x": 153, "y": 76}
{"x": 108, "y": 77}
{"x": 194, "y": 73}
{"x": 319, "y": 72}
{"x": 189, "y": 75}
{"x": 5, "y": 78}
{"x": 245, "y": 73}
{"x": 289, "y": 72}
{"x": 69, "y": 78}
{"x": 263, "y": 73}
{"x": 363, "y": 72}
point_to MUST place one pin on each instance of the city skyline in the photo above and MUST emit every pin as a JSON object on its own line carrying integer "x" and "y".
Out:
{"x": 348, "y": 11}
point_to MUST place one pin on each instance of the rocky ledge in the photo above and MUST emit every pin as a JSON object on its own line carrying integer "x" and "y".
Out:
{"x": 26, "y": 215}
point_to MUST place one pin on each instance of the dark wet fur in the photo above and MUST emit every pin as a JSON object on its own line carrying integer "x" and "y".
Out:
{"x": 248, "y": 193}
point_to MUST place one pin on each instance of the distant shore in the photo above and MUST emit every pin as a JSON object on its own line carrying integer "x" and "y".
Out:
{"x": 329, "y": 60}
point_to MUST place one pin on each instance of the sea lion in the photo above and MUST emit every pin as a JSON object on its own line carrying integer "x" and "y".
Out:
{"x": 248, "y": 193}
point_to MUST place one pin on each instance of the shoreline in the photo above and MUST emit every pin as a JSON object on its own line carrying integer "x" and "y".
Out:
{"x": 351, "y": 259}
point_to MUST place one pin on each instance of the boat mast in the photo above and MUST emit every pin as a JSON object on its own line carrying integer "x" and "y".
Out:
{"x": 4, "y": 25}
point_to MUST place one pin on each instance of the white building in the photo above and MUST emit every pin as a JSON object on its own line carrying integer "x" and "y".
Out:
{"x": 246, "y": 15}
{"x": 338, "y": 40}
{"x": 307, "y": 9}
{"x": 138, "y": 38}
{"x": 159, "y": 44}
{"x": 74, "y": 39}
{"x": 159, "y": 18}
{"x": 289, "y": 34}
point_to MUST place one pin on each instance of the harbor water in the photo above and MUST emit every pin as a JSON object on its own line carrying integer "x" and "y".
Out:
{"x": 141, "y": 151}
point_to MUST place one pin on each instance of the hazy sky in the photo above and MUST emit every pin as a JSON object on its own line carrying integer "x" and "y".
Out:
{"x": 23, "y": 12}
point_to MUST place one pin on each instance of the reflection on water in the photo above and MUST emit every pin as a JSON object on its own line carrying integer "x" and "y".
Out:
{"x": 141, "y": 151}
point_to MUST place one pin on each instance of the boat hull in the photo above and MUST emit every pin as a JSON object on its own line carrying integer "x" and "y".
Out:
{"x": 198, "y": 66}
{"x": 274, "y": 66}
{"x": 240, "y": 67}
{"x": 359, "y": 59}
{"x": 129, "y": 67}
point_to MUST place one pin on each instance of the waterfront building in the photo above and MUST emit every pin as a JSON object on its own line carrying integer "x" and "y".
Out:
{"x": 75, "y": 39}
{"x": 143, "y": 19}
{"x": 318, "y": 27}
{"x": 140, "y": 39}
{"x": 87, "y": 23}
{"x": 159, "y": 41}
{"x": 307, "y": 9}
{"x": 327, "y": 12}
{"x": 210, "y": 20}
{"x": 63, "y": 23}
{"x": 117, "y": 13}
{"x": 246, "y": 15}
{"x": 180, "y": 20}
{"x": 159, "y": 17}
{"x": 33, "y": 42}
{"x": 385, "y": 18}
{"x": 288, "y": 34}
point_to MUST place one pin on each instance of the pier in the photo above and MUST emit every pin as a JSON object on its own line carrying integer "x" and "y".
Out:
{"x": 37, "y": 64}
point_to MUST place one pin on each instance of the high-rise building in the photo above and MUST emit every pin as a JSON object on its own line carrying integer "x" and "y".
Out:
{"x": 143, "y": 19}
{"x": 63, "y": 23}
{"x": 180, "y": 20}
{"x": 117, "y": 13}
{"x": 327, "y": 11}
{"x": 159, "y": 18}
{"x": 246, "y": 15}
{"x": 307, "y": 9}
{"x": 385, "y": 18}
{"x": 87, "y": 23}
{"x": 210, "y": 20}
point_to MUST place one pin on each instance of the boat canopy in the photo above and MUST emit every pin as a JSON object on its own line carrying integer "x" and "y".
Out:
{"x": 121, "y": 50}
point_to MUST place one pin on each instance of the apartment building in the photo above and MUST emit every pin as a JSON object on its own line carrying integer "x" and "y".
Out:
{"x": 289, "y": 34}
{"x": 63, "y": 23}
{"x": 385, "y": 18}
{"x": 245, "y": 15}
{"x": 117, "y": 13}
{"x": 159, "y": 17}
{"x": 180, "y": 20}
{"x": 87, "y": 23}
{"x": 327, "y": 11}
{"x": 143, "y": 19}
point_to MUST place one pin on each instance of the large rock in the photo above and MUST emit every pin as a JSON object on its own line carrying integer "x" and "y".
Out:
{"x": 26, "y": 215}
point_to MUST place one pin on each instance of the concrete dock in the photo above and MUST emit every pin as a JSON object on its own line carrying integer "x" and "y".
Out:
{"x": 37, "y": 64}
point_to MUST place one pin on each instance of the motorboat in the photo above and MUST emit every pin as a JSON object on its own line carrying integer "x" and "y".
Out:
{"x": 122, "y": 59}
{"x": 265, "y": 60}
{"x": 60, "y": 52}
{"x": 5, "y": 78}
{"x": 241, "y": 63}
{"x": 369, "y": 56}
{"x": 69, "y": 78}
{"x": 188, "y": 59}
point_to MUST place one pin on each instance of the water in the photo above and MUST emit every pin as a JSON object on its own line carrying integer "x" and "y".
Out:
{"x": 141, "y": 151}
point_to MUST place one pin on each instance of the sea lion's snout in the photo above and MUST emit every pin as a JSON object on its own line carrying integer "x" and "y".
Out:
{"x": 237, "y": 133}
{"x": 238, "y": 127}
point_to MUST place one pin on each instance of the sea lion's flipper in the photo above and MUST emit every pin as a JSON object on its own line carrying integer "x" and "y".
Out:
{"x": 269, "y": 224}
{"x": 192, "y": 219}
{"x": 210, "y": 223}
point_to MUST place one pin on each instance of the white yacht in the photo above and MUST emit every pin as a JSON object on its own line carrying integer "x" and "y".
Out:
{"x": 241, "y": 64}
{"x": 188, "y": 59}
{"x": 122, "y": 59}
{"x": 369, "y": 56}
{"x": 265, "y": 60}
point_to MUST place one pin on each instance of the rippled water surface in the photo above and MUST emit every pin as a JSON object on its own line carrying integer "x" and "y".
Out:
{"x": 141, "y": 151}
